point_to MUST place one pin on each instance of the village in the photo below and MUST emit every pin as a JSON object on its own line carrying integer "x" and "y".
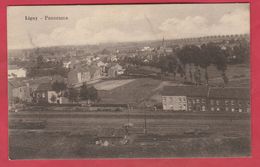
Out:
{"x": 133, "y": 94}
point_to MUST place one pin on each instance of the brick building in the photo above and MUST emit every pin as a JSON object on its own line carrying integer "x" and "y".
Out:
{"x": 192, "y": 98}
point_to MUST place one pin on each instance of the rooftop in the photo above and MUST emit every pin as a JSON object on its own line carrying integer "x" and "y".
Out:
{"x": 200, "y": 91}
{"x": 184, "y": 91}
{"x": 232, "y": 92}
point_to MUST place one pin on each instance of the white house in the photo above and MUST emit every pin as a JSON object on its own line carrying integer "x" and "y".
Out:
{"x": 174, "y": 98}
{"x": 175, "y": 103}
{"x": 16, "y": 72}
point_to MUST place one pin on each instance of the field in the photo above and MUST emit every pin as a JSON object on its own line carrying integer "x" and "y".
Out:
{"x": 112, "y": 84}
{"x": 133, "y": 92}
{"x": 74, "y": 135}
{"x": 140, "y": 90}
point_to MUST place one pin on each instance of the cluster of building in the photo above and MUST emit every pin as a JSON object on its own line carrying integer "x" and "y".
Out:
{"x": 217, "y": 99}
{"x": 92, "y": 72}
{"x": 22, "y": 88}
{"x": 38, "y": 90}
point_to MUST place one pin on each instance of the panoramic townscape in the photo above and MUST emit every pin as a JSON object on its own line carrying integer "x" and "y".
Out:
{"x": 169, "y": 97}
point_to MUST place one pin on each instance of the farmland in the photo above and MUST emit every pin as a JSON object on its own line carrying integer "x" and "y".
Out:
{"x": 138, "y": 90}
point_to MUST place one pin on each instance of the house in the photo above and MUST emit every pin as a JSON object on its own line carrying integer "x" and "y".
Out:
{"x": 173, "y": 98}
{"x": 102, "y": 65}
{"x": 45, "y": 94}
{"x": 193, "y": 98}
{"x": 18, "y": 91}
{"x": 184, "y": 98}
{"x": 66, "y": 64}
{"x": 84, "y": 74}
{"x": 113, "y": 58}
{"x": 16, "y": 72}
{"x": 235, "y": 99}
{"x": 115, "y": 70}
{"x": 74, "y": 62}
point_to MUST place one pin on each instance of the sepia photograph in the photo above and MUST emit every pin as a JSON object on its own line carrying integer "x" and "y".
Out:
{"x": 129, "y": 81}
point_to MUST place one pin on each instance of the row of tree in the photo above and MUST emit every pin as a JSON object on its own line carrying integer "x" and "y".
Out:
{"x": 184, "y": 59}
{"x": 199, "y": 57}
{"x": 41, "y": 67}
{"x": 85, "y": 92}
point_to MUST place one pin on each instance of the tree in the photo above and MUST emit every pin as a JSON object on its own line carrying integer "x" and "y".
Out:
{"x": 59, "y": 86}
{"x": 93, "y": 94}
{"x": 205, "y": 60}
{"x": 73, "y": 95}
{"x": 39, "y": 61}
{"x": 84, "y": 92}
{"x": 219, "y": 59}
{"x": 88, "y": 93}
{"x": 184, "y": 57}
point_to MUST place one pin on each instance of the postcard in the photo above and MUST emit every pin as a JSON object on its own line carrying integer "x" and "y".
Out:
{"x": 129, "y": 81}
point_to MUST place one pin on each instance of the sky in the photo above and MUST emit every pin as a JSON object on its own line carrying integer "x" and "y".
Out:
{"x": 95, "y": 24}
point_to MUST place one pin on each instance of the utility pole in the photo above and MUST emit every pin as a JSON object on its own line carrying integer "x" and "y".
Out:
{"x": 128, "y": 114}
{"x": 145, "y": 129}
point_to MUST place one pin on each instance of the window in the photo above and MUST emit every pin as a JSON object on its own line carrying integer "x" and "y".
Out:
{"x": 197, "y": 100}
{"x": 232, "y": 102}
{"x": 239, "y": 103}
{"x": 203, "y": 108}
{"x": 218, "y": 109}
{"x": 226, "y": 102}
{"x": 217, "y": 102}
{"x": 233, "y": 110}
{"x": 226, "y": 108}
{"x": 193, "y": 101}
{"x": 212, "y": 108}
{"x": 203, "y": 101}
{"x": 164, "y": 99}
{"x": 212, "y": 102}
{"x": 240, "y": 110}
{"x": 43, "y": 95}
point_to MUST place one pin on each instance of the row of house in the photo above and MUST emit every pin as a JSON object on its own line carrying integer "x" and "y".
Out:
{"x": 91, "y": 73}
{"x": 45, "y": 94}
{"x": 191, "y": 98}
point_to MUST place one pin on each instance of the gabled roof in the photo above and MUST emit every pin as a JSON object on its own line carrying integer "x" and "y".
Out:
{"x": 231, "y": 92}
{"x": 16, "y": 84}
{"x": 198, "y": 91}
{"x": 44, "y": 87}
{"x": 13, "y": 67}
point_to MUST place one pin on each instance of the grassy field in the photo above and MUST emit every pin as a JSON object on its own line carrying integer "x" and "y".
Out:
{"x": 74, "y": 135}
{"x": 112, "y": 84}
{"x": 132, "y": 92}
{"x": 139, "y": 90}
